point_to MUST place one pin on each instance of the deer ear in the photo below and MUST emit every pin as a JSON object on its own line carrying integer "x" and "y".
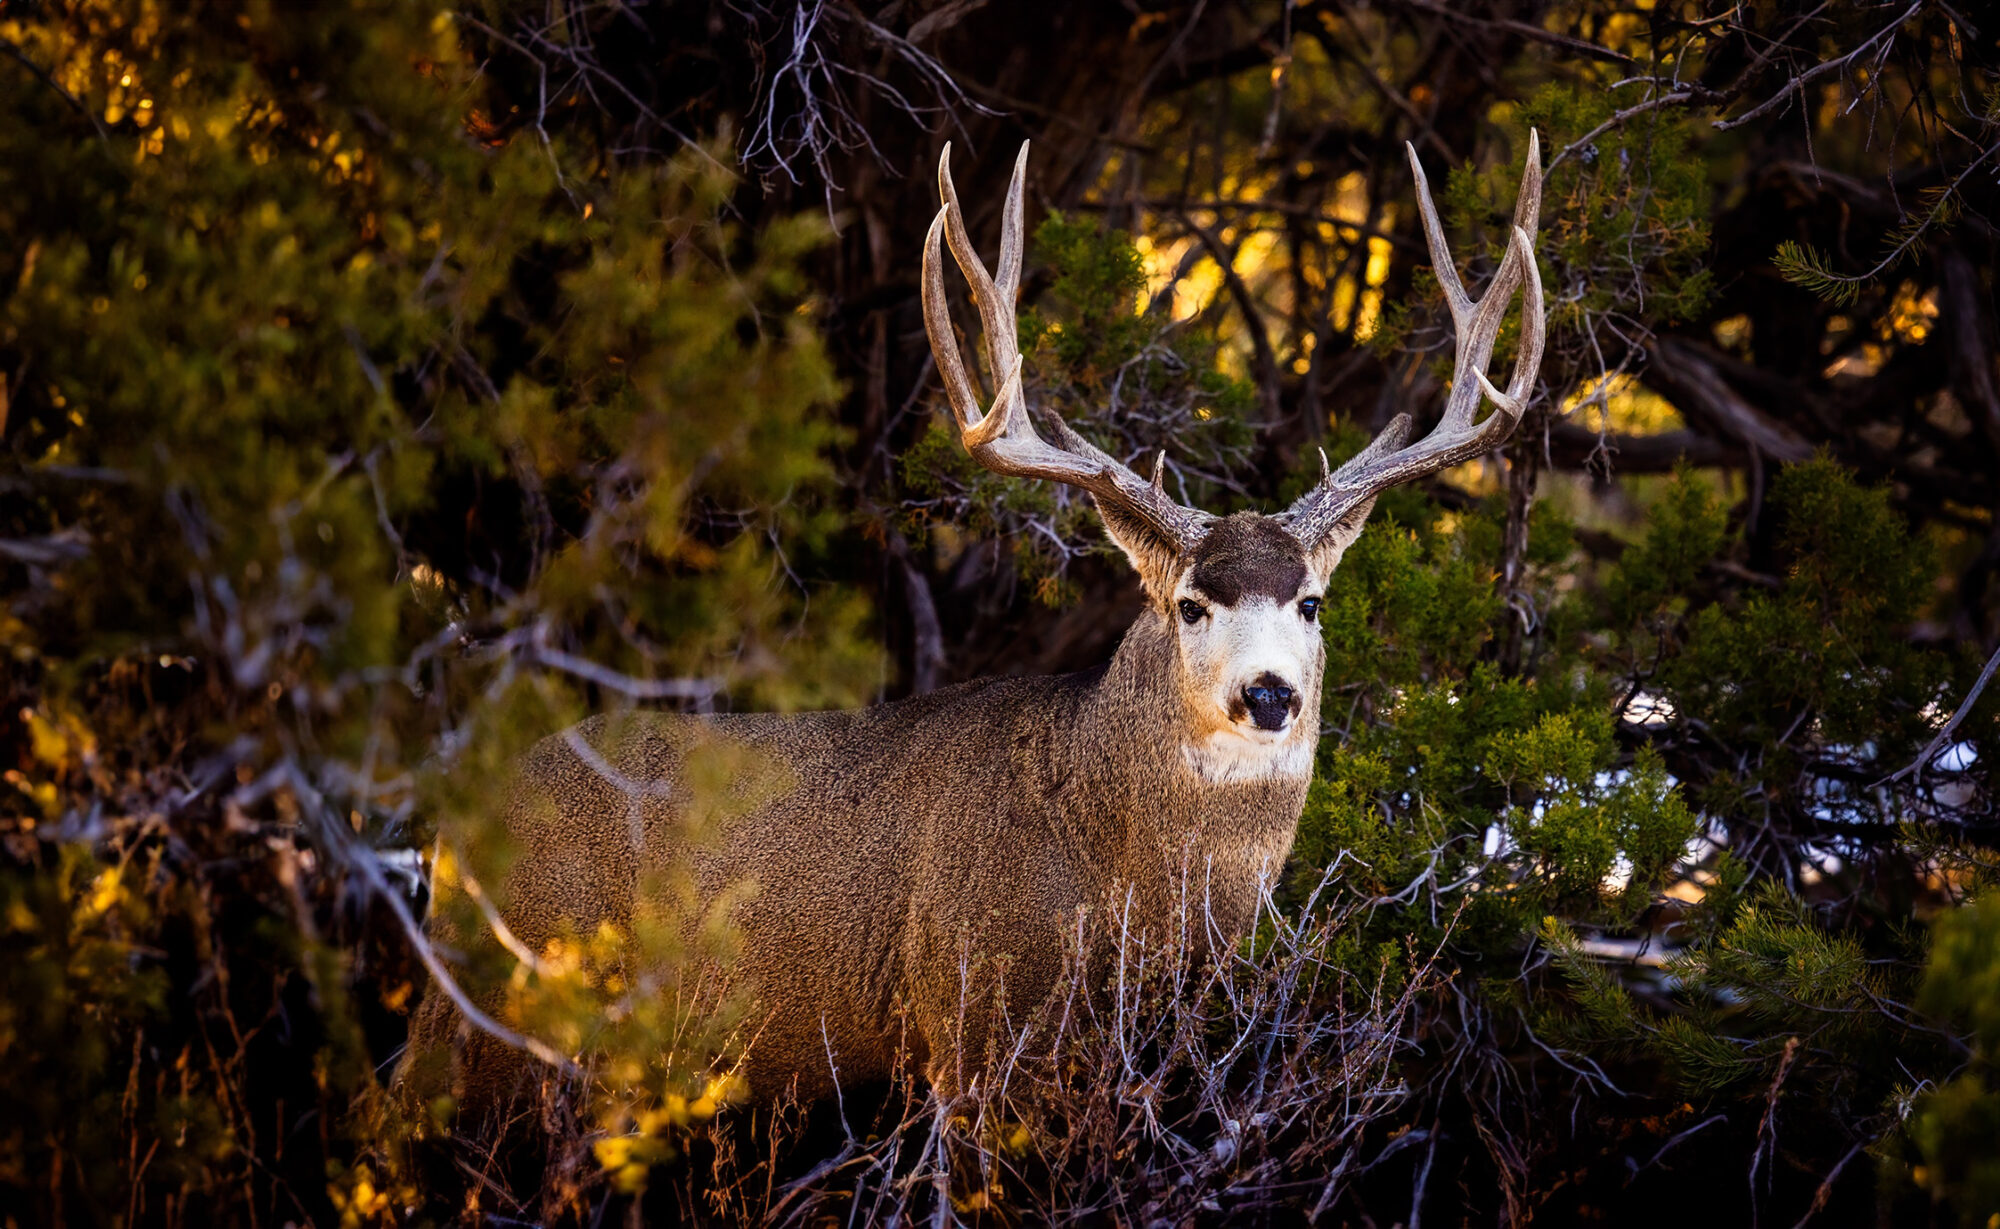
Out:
{"x": 1324, "y": 555}
{"x": 1157, "y": 560}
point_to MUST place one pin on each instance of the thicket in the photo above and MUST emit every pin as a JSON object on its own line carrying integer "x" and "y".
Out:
{"x": 1680, "y": 852}
{"x": 349, "y": 451}
{"x": 381, "y": 389}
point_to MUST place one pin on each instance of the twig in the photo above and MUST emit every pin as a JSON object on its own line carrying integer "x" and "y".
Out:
{"x": 13, "y": 49}
{"x": 1825, "y": 1190}
{"x": 501, "y": 931}
{"x": 1675, "y": 1141}
{"x": 624, "y": 684}
{"x": 1533, "y": 33}
{"x": 1617, "y": 119}
{"x": 442, "y": 979}
{"x": 1964, "y": 709}
{"x": 1798, "y": 84}
{"x": 1916, "y": 233}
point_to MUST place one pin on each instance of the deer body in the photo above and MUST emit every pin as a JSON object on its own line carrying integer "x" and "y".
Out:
{"x": 906, "y": 861}
{"x": 891, "y": 884}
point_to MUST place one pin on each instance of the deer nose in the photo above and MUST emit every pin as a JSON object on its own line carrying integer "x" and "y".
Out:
{"x": 1271, "y": 702}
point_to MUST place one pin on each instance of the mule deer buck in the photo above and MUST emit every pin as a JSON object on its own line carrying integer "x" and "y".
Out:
{"x": 984, "y": 817}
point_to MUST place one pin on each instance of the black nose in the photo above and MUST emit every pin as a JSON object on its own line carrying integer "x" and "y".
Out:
{"x": 1270, "y": 701}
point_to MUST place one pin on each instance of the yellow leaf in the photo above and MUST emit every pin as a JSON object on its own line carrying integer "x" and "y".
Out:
{"x": 104, "y": 893}
{"x": 46, "y": 742}
{"x": 614, "y": 1152}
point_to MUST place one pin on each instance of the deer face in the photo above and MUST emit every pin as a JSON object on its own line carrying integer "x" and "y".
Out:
{"x": 1245, "y": 618}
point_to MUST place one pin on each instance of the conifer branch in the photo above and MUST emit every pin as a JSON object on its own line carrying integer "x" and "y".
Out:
{"x": 1803, "y": 265}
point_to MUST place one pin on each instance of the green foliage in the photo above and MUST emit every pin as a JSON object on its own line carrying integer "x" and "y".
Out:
{"x": 1096, "y": 328}
{"x": 1624, "y": 222}
{"x": 1804, "y": 265}
{"x": 1686, "y": 529}
{"x": 1633, "y": 224}
{"x": 1436, "y": 745}
{"x": 1953, "y": 1127}
{"x": 1962, "y": 981}
{"x": 1853, "y": 580}
{"x": 1550, "y": 810}
{"x": 363, "y": 424}
{"x": 69, "y": 936}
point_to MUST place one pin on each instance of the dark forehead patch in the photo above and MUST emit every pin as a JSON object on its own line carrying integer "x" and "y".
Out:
{"x": 1247, "y": 555}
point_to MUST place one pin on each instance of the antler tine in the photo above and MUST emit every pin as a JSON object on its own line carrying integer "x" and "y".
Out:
{"x": 1441, "y": 262}
{"x": 1534, "y": 334}
{"x": 1009, "y": 281}
{"x": 1477, "y": 324}
{"x": 944, "y": 340}
{"x": 1386, "y": 462}
{"x": 1003, "y": 439}
{"x": 994, "y": 300}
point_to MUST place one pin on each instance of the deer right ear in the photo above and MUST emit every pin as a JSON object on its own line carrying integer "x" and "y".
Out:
{"x": 1156, "y": 559}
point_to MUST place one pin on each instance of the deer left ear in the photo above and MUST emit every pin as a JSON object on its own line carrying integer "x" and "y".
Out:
{"x": 1324, "y": 555}
{"x": 1157, "y": 560}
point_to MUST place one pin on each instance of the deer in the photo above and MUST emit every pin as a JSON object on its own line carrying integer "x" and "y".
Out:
{"x": 887, "y": 850}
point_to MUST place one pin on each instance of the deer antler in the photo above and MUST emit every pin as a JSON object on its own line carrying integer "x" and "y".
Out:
{"x": 1386, "y": 462}
{"x": 1002, "y": 438}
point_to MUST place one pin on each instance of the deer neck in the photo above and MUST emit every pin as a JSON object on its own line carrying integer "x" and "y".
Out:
{"x": 1172, "y": 816}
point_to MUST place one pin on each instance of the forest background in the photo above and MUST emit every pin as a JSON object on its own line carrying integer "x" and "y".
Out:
{"x": 383, "y": 387}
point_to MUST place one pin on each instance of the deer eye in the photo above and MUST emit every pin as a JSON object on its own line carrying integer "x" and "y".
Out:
{"x": 1192, "y": 612}
{"x": 1310, "y": 608}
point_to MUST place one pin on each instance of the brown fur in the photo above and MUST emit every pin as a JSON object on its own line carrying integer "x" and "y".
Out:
{"x": 976, "y": 820}
{"x": 1247, "y": 555}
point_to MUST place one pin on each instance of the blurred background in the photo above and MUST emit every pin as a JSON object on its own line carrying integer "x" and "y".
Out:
{"x": 385, "y": 387}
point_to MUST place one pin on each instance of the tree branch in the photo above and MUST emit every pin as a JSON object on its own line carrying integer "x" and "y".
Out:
{"x": 1260, "y": 339}
{"x": 76, "y": 104}
{"x": 1692, "y": 381}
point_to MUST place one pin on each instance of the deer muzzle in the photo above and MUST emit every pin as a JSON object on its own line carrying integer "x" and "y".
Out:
{"x": 1269, "y": 702}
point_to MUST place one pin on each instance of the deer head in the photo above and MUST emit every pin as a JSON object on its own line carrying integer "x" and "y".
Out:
{"x": 1239, "y": 596}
